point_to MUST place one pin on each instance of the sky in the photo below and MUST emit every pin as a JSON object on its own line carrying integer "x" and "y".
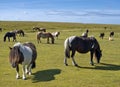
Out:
{"x": 75, "y": 11}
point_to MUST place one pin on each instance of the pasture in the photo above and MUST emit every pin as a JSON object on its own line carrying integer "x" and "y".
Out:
{"x": 50, "y": 70}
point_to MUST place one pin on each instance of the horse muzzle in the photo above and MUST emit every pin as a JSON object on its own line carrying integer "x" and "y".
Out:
{"x": 13, "y": 65}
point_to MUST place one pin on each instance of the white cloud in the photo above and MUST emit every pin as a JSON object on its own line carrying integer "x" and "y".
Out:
{"x": 83, "y": 16}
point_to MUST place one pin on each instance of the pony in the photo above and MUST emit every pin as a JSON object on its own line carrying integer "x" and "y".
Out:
{"x": 111, "y": 36}
{"x": 39, "y": 29}
{"x": 20, "y": 32}
{"x": 24, "y": 54}
{"x": 81, "y": 45}
{"x": 85, "y": 34}
{"x": 102, "y": 35}
{"x": 9, "y": 35}
{"x": 45, "y": 35}
{"x": 56, "y": 34}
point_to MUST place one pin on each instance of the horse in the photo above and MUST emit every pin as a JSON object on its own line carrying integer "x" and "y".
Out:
{"x": 45, "y": 35}
{"x": 24, "y": 54}
{"x": 111, "y": 35}
{"x": 39, "y": 29}
{"x": 9, "y": 35}
{"x": 56, "y": 34}
{"x": 81, "y": 45}
{"x": 102, "y": 35}
{"x": 20, "y": 32}
{"x": 85, "y": 34}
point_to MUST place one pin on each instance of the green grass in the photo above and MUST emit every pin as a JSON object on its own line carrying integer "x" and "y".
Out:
{"x": 50, "y": 70}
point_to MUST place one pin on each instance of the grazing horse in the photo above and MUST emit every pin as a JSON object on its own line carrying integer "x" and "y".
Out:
{"x": 102, "y": 35}
{"x": 81, "y": 45}
{"x": 56, "y": 34}
{"x": 111, "y": 35}
{"x": 20, "y": 32}
{"x": 24, "y": 54}
{"x": 39, "y": 29}
{"x": 9, "y": 35}
{"x": 45, "y": 35}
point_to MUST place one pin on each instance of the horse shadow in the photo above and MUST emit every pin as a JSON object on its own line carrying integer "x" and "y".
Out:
{"x": 104, "y": 66}
{"x": 45, "y": 75}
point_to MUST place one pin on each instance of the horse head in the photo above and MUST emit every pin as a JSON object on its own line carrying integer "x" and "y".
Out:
{"x": 15, "y": 56}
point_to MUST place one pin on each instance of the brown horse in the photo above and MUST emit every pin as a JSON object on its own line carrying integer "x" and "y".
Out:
{"x": 20, "y": 32}
{"x": 45, "y": 35}
{"x": 24, "y": 54}
{"x": 39, "y": 29}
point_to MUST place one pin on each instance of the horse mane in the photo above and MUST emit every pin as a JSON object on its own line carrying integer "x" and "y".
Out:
{"x": 16, "y": 55}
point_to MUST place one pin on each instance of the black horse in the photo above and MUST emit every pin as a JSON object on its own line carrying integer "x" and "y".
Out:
{"x": 111, "y": 34}
{"x": 102, "y": 35}
{"x": 81, "y": 45}
{"x": 9, "y": 35}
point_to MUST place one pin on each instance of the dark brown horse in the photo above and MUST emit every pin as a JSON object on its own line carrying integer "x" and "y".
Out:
{"x": 39, "y": 29}
{"x": 20, "y": 32}
{"x": 81, "y": 45}
{"x": 45, "y": 35}
{"x": 9, "y": 35}
{"x": 24, "y": 54}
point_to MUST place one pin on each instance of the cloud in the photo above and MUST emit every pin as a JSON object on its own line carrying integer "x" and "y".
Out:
{"x": 86, "y": 13}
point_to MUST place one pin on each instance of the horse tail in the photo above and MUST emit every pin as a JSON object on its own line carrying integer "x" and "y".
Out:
{"x": 67, "y": 48}
{"x": 5, "y": 37}
{"x": 38, "y": 37}
{"x": 23, "y": 33}
{"x": 33, "y": 65}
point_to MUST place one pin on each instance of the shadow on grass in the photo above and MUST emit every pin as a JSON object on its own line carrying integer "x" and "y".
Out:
{"x": 104, "y": 66}
{"x": 45, "y": 75}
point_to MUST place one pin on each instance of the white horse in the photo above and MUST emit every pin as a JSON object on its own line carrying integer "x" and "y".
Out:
{"x": 24, "y": 54}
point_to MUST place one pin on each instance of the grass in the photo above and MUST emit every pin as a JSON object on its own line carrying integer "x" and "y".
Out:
{"x": 50, "y": 70}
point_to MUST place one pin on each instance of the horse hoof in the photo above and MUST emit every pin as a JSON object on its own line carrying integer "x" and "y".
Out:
{"x": 66, "y": 64}
{"x": 76, "y": 65}
{"x": 17, "y": 77}
{"x": 24, "y": 78}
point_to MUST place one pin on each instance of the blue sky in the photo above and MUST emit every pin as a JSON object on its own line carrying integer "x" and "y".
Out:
{"x": 80, "y": 11}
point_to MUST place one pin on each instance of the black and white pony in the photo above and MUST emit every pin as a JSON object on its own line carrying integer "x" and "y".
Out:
{"x": 111, "y": 36}
{"x": 55, "y": 34}
{"x": 24, "y": 54}
{"x": 85, "y": 34}
{"x": 81, "y": 45}
{"x": 102, "y": 35}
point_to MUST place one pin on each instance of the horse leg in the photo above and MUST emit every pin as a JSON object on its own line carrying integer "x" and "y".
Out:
{"x": 23, "y": 69}
{"x": 65, "y": 61}
{"x": 17, "y": 69}
{"x": 91, "y": 58}
{"x": 48, "y": 40}
{"x": 73, "y": 60}
{"x": 28, "y": 70}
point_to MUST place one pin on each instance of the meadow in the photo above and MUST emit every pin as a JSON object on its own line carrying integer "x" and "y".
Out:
{"x": 50, "y": 70}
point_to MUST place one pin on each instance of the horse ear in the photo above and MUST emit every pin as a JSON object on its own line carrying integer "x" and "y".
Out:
{"x": 10, "y": 48}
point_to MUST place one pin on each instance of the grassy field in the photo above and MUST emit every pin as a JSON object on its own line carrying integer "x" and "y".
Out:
{"x": 50, "y": 70}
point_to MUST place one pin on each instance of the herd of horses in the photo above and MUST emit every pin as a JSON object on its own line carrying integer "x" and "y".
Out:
{"x": 26, "y": 53}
